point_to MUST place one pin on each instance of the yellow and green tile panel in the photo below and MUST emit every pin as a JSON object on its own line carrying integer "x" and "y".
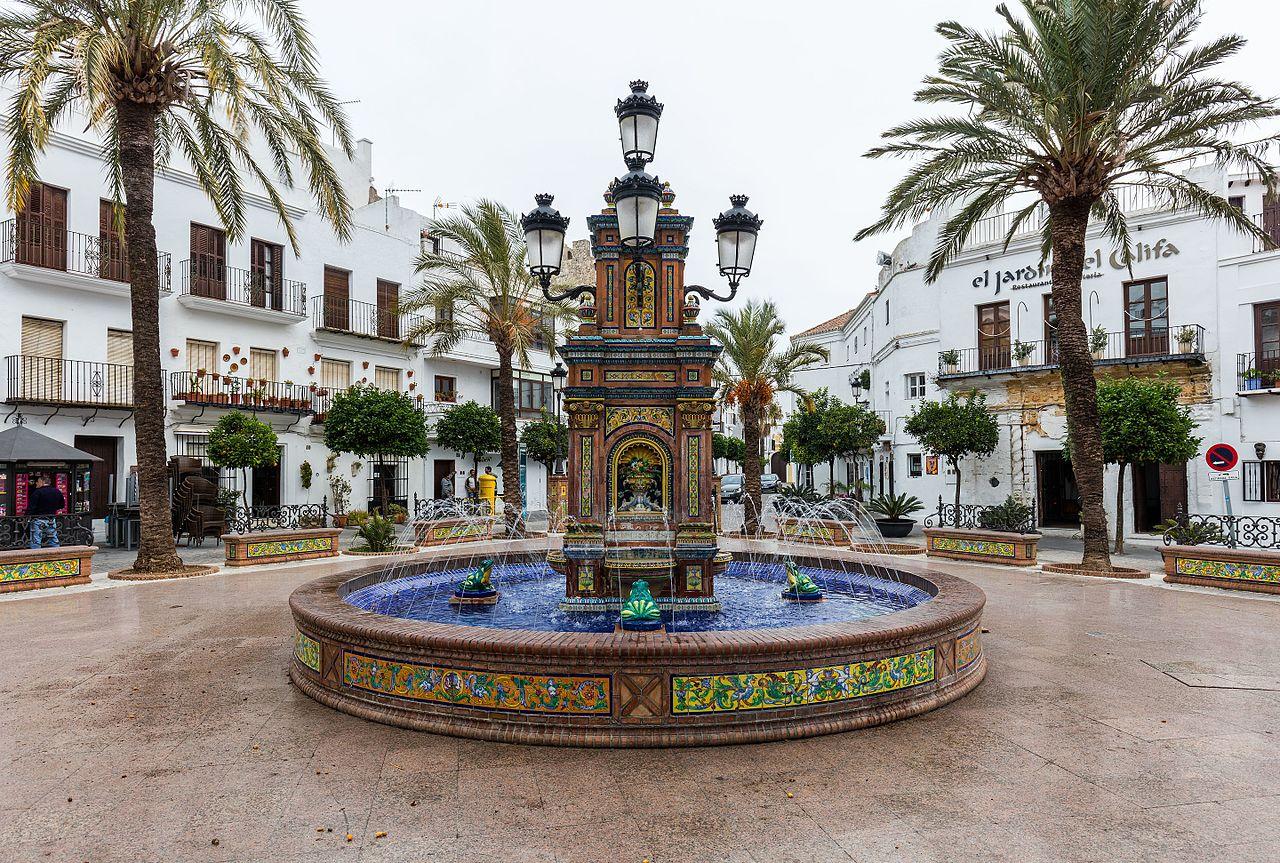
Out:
{"x": 1228, "y": 570}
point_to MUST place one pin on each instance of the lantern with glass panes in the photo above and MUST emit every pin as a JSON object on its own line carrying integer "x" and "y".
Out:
{"x": 637, "y": 197}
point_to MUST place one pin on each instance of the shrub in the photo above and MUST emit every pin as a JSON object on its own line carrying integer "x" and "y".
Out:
{"x": 378, "y": 533}
{"x": 1192, "y": 532}
{"x": 357, "y": 517}
{"x": 1012, "y": 516}
{"x": 896, "y": 506}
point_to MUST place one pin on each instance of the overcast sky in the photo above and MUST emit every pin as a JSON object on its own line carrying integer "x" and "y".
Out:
{"x": 776, "y": 100}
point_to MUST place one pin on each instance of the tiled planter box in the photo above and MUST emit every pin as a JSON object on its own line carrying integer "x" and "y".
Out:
{"x": 1216, "y": 566}
{"x": 815, "y": 530}
{"x": 447, "y": 531}
{"x": 982, "y": 546}
{"x": 280, "y": 546}
{"x": 34, "y": 568}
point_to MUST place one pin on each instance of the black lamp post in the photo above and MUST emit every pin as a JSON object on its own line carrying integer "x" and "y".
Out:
{"x": 558, "y": 375}
{"x": 637, "y": 199}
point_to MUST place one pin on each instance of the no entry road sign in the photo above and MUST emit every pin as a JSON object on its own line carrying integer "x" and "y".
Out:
{"x": 1222, "y": 457}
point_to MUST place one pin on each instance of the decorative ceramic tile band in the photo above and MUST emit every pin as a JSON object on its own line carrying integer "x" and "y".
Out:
{"x": 768, "y": 690}
{"x": 307, "y": 650}
{"x": 968, "y": 648}
{"x": 459, "y": 530}
{"x": 279, "y": 547}
{"x": 636, "y": 376}
{"x": 616, "y": 417}
{"x": 807, "y": 531}
{"x": 987, "y": 547}
{"x": 1227, "y": 570}
{"x": 533, "y": 693}
{"x": 39, "y": 569}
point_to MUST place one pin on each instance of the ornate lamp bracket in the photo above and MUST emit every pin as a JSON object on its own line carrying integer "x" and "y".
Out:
{"x": 708, "y": 294}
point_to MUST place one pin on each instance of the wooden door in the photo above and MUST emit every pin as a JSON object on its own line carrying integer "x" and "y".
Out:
{"x": 388, "y": 309}
{"x": 266, "y": 274}
{"x": 1266, "y": 336}
{"x": 1050, "y": 331}
{"x": 1271, "y": 218}
{"x": 102, "y": 474}
{"x": 208, "y": 262}
{"x": 112, "y": 263}
{"x": 993, "y": 336}
{"x": 265, "y": 486}
{"x": 337, "y": 299}
{"x": 1173, "y": 490}
{"x": 1147, "y": 317}
{"x": 42, "y": 228}
{"x": 443, "y": 468}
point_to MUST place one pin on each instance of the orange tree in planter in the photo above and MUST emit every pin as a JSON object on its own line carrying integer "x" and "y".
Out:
{"x": 376, "y": 424}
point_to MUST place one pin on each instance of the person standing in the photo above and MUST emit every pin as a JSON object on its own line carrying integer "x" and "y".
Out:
{"x": 472, "y": 486}
{"x": 44, "y": 503}
{"x": 446, "y": 487}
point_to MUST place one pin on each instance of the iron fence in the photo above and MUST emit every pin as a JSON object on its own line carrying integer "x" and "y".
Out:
{"x": 35, "y": 244}
{"x": 216, "y": 281}
{"x": 970, "y": 516}
{"x": 252, "y": 394}
{"x": 1257, "y": 371}
{"x": 1179, "y": 342}
{"x": 289, "y": 516}
{"x": 15, "y": 531}
{"x": 55, "y": 381}
{"x": 429, "y": 509}
{"x": 366, "y": 319}
{"x": 1232, "y": 531}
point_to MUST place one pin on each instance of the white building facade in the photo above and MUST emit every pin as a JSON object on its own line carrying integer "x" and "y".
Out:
{"x": 243, "y": 325}
{"x": 1199, "y": 303}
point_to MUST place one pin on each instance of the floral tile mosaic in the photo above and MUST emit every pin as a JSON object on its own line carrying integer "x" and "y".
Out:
{"x": 972, "y": 546}
{"x": 531, "y": 693}
{"x": 1264, "y": 573}
{"x": 459, "y": 531}
{"x": 39, "y": 569}
{"x": 807, "y": 531}
{"x": 968, "y": 648}
{"x": 762, "y": 691}
{"x": 277, "y": 548}
{"x": 307, "y": 650}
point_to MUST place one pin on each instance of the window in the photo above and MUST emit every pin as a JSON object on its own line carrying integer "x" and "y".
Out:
{"x": 886, "y": 310}
{"x": 993, "y": 336}
{"x": 41, "y": 359}
{"x": 915, "y": 464}
{"x": 266, "y": 274}
{"x": 1147, "y": 317}
{"x": 1237, "y": 201}
{"x": 119, "y": 372}
{"x": 112, "y": 263}
{"x": 915, "y": 385}
{"x": 385, "y": 378}
{"x": 42, "y": 228}
{"x": 1261, "y": 481}
{"x": 855, "y": 344}
{"x": 262, "y": 364}
{"x": 1050, "y": 330}
{"x": 208, "y": 266}
{"x": 388, "y": 309}
{"x": 1266, "y": 336}
{"x": 335, "y": 374}
{"x": 1271, "y": 217}
{"x": 446, "y": 388}
{"x": 202, "y": 355}
{"x": 337, "y": 299}
{"x": 444, "y": 311}
{"x": 533, "y": 396}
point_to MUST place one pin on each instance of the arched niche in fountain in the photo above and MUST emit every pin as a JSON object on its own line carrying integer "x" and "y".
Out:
{"x": 640, "y": 477}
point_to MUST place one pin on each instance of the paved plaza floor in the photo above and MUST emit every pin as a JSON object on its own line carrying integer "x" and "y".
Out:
{"x": 1119, "y": 721}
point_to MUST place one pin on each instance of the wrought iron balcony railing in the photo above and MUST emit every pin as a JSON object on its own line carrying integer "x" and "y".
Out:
{"x": 214, "y": 281}
{"x": 1156, "y": 345}
{"x": 253, "y": 394}
{"x": 1258, "y": 371}
{"x": 55, "y": 381}
{"x": 1270, "y": 225}
{"x": 365, "y": 319}
{"x": 32, "y": 243}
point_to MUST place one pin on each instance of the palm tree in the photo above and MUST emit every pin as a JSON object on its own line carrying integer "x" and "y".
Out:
{"x": 485, "y": 292}
{"x": 750, "y": 371}
{"x": 154, "y": 77}
{"x": 1076, "y": 104}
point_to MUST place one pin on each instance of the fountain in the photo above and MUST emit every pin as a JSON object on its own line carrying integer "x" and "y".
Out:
{"x": 642, "y": 627}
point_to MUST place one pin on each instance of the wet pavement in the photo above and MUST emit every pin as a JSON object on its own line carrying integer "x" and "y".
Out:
{"x": 1120, "y": 721}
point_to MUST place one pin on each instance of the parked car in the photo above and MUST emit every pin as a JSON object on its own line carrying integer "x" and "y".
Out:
{"x": 769, "y": 483}
{"x": 731, "y": 488}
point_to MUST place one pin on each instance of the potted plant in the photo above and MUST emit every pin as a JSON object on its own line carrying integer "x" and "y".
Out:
{"x": 340, "y": 489}
{"x": 1022, "y": 352}
{"x": 397, "y": 513}
{"x": 173, "y": 352}
{"x": 893, "y": 514}
{"x": 1252, "y": 379}
{"x": 1187, "y": 340}
{"x": 1098, "y": 342}
{"x": 950, "y": 360}
{"x": 357, "y": 517}
{"x": 233, "y": 384}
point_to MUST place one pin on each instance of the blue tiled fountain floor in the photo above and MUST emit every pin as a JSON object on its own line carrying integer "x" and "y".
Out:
{"x": 750, "y": 595}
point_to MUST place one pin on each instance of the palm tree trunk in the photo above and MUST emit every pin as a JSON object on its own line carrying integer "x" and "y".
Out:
{"x": 1069, "y": 219}
{"x": 751, "y": 501}
{"x": 1120, "y": 511}
{"x": 510, "y": 444}
{"x": 137, "y": 161}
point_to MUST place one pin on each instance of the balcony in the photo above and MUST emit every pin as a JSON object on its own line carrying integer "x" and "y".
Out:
{"x": 993, "y": 229}
{"x": 30, "y": 252}
{"x": 243, "y": 293}
{"x": 321, "y": 399}
{"x": 67, "y": 383}
{"x": 1270, "y": 225}
{"x": 353, "y": 318}
{"x": 1184, "y": 343}
{"x": 1258, "y": 374}
{"x": 249, "y": 394}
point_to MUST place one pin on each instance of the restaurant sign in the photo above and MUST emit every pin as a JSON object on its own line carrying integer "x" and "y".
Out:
{"x": 1040, "y": 275}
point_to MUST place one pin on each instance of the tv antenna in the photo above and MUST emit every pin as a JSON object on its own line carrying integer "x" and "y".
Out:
{"x": 386, "y": 205}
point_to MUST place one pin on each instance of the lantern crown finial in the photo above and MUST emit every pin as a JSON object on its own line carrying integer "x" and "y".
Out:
{"x": 543, "y": 199}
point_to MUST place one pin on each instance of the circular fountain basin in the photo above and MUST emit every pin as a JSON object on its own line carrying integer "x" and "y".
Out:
{"x": 884, "y": 644}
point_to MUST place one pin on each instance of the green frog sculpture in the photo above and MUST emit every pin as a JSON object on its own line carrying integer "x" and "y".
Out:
{"x": 640, "y": 613}
{"x": 800, "y": 587}
{"x": 476, "y": 588}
